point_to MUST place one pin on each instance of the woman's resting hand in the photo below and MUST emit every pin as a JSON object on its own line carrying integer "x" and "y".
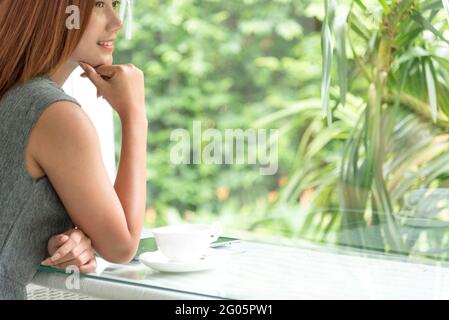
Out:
{"x": 71, "y": 248}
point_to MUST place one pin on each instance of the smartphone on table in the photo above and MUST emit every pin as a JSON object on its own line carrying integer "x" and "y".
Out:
{"x": 149, "y": 244}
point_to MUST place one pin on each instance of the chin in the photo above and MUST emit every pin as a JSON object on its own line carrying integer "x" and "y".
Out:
{"x": 102, "y": 61}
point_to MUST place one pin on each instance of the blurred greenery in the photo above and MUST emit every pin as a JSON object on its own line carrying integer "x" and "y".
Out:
{"x": 226, "y": 64}
{"x": 358, "y": 89}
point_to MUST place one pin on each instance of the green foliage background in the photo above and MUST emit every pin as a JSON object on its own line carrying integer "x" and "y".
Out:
{"x": 359, "y": 91}
{"x": 226, "y": 64}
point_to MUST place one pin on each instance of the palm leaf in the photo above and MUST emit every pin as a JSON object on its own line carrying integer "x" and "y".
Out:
{"x": 418, "y": 17}
{"x": 340, "y": 36}
{"x": 327, "y": 49}
{"x": 431, "y": 88}
{"x": 446, "y": 8}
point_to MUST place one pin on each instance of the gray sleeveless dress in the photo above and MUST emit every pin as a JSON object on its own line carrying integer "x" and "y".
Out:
{"x": 30, "y": 211}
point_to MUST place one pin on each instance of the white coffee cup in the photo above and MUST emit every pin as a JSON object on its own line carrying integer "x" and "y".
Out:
{"x": 184, "y": 242}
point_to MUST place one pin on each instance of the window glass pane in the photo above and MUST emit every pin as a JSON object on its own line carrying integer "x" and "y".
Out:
{"x": 299, "y": 119}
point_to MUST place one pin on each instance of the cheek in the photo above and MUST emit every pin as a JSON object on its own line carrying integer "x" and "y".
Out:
{"x": 84, "y": 47}
{"x": 88, "y": 51}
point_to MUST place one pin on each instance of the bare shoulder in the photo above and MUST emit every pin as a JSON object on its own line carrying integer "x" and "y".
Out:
{"x": 63, "y": 130}
{"x": 64, "y": 117}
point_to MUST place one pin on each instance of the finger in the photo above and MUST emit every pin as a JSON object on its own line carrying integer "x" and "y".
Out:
{"x": 92, "y": 74}
{"x": 109, "y": 71}
{"x": 75, "y": 252}
{"x": 47, "y": 262}
{"x": 79, "y": 261}
{"x": 56, "y": 241}
{"x": 84, "y": 245}
{"x": 91, "y": 266}
{"x": 76, "y": 235}
{"x": 63, "y": 250}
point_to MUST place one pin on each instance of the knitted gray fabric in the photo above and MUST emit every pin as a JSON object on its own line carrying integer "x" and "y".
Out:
{"x": 30, "y": 211}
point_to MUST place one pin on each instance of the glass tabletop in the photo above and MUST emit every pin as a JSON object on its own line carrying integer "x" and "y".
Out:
{"x": 258, "y": 270}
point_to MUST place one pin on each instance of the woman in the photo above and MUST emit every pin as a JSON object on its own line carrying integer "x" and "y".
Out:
{"x": 52, "y": 176}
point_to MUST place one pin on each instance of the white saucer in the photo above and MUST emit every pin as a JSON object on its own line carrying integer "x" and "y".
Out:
{"x": 156, "y": 260}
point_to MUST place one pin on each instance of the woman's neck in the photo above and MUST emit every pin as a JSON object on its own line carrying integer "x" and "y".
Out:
{"x": 61, "y": 75}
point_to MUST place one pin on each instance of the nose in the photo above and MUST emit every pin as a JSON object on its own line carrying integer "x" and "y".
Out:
{"x": 114, "y": 23}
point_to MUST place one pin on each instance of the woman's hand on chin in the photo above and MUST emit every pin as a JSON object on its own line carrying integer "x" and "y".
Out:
{"x": 71, "y": 248}
{"x": 121, "y": 85}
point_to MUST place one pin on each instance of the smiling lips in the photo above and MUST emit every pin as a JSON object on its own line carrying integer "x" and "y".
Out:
{"x": 106, "y": 44}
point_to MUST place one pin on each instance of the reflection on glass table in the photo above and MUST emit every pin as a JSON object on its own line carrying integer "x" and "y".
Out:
{"x": 417, "y": 226}
{"x": 272, "y": 271}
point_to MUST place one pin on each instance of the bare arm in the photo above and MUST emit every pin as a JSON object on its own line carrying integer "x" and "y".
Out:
{"x": 68, "y": 150}
{"x": 130, "y": 183}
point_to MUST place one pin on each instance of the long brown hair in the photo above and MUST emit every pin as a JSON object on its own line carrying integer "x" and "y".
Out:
{"x": 34, "y": 39}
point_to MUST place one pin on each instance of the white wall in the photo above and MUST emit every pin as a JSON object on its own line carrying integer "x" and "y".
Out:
{"x": 100, "y": 113}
